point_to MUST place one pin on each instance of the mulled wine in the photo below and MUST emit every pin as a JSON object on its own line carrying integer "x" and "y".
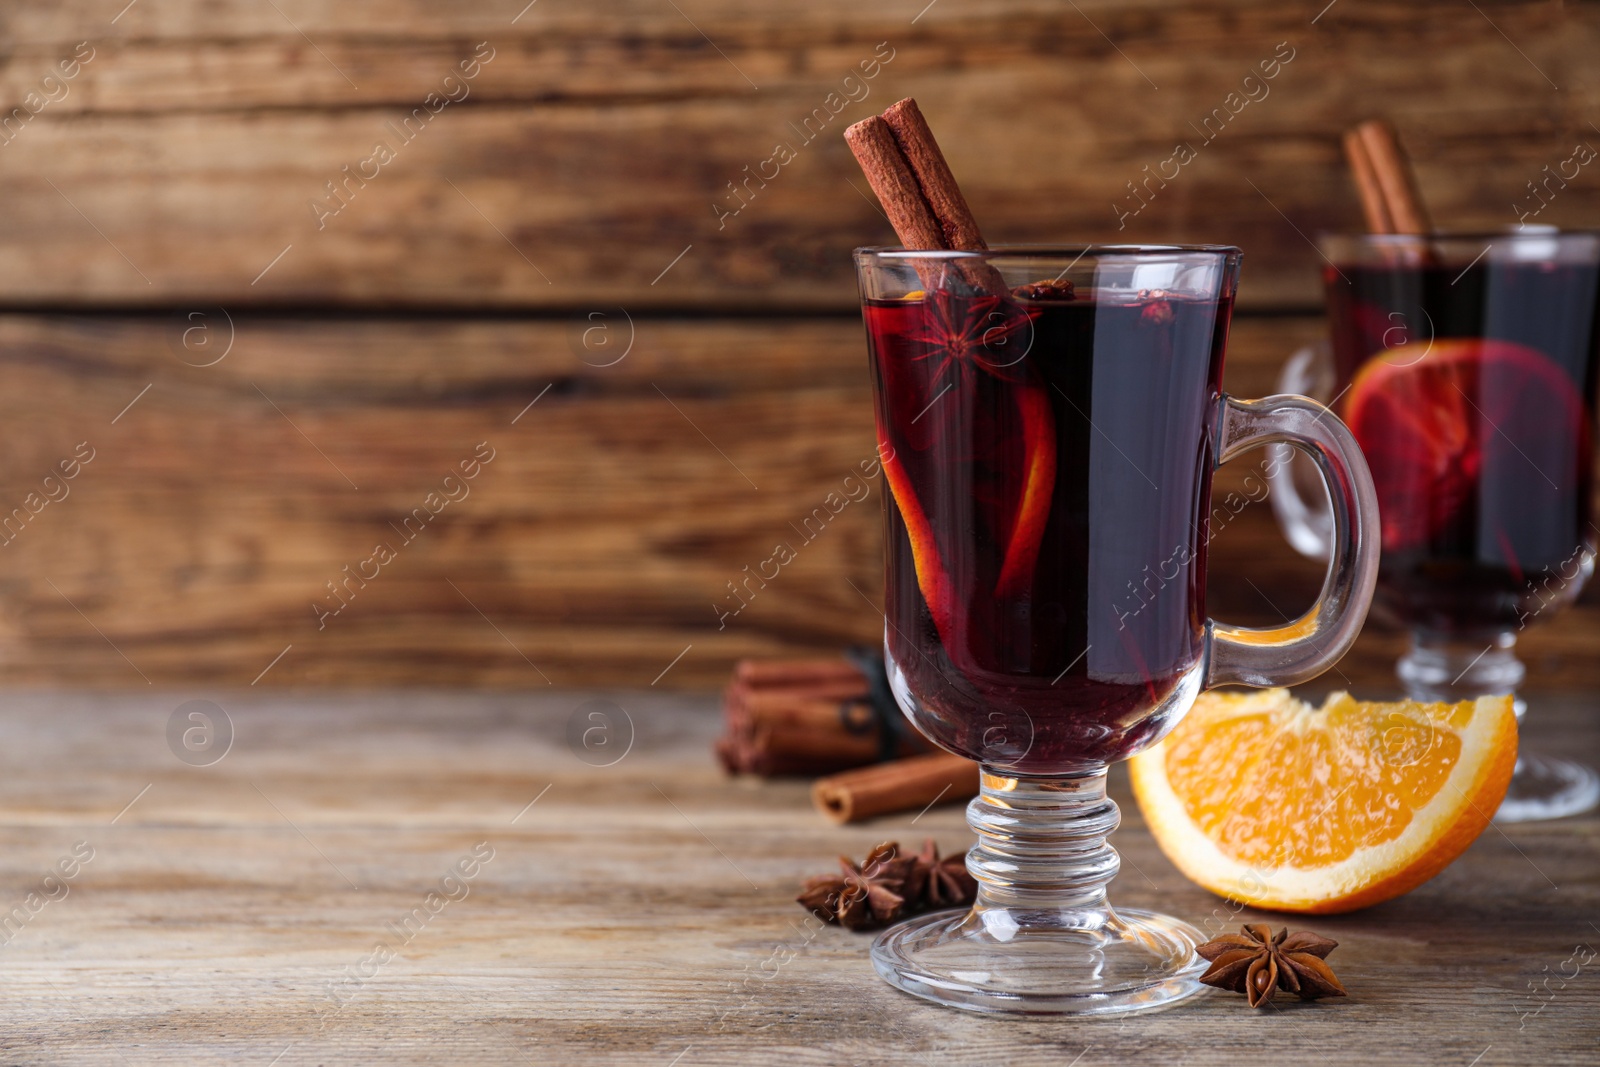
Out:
{"x": 1471, "y": 389}
{"x": 1049, "y": 454}
{"x": 1048, "y": 424}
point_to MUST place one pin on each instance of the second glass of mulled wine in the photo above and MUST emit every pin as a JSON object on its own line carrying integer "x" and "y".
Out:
{"x": 1466, "y": 366}
{"x": 1048, "y": 422}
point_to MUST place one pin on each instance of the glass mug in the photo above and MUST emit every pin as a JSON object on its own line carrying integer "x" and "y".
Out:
{"x": 1048, "y": 422}
{"x": 1466, "y": 366}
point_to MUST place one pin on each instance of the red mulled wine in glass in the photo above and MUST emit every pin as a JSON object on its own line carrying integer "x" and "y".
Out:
{"x": 1048, "y": 423}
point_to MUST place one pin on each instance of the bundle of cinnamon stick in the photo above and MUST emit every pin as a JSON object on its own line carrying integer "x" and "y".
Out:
{"x": 806, "y": 717}
{"x": 903, "y": 164}
{"x": 821, "y": 716}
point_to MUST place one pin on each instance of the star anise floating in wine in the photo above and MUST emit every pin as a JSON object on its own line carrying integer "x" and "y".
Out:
{"x": 1157, "y": 309}
{"x": 887, "y": 886}
{"x": 1054, "y": 289}
{"x": 1258, "y": 964}
{"x": 964, "y": 332}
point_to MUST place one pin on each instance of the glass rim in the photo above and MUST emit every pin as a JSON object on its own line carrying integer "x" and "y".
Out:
{"x": 1507, "y": 234}
{"x": 867, "y": 253}
{"x": 1525, "y": 244}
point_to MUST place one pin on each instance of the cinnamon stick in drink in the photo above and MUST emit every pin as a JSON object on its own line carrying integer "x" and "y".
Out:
{"x": 899, "y": 785}
{"x": 905, "y": 167}
{"x": 1385, "y": 165}
{"x": 938, "y": 185}
{"x": 1373, "y": 205}
{"x": 891, "y": 177}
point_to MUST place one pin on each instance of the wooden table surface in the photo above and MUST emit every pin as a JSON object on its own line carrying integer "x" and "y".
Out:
{"x": 638, "y": 913}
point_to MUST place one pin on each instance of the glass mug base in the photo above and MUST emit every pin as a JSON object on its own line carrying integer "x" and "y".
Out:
{"x": 982, "y": 961}
{"x": 1439, "y": 668}
{"x": 1041, "y": 937}
{"x": 1547, "y": 788}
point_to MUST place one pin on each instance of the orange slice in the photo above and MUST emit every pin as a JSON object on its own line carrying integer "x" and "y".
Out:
{"x": 1033, "y": 510}
{"x": 1431, "y": 423}
{"x": 1264, "y": 799}
{"x": 931, "y": 577}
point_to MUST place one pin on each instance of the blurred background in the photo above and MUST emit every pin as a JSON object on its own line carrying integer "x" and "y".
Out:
{"x": 393, "y": 342}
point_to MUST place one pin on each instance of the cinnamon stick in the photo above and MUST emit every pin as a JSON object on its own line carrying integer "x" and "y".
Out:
{"x": 1373, "y": 205}
{"x": 903, "y": 164}
{"x": 784, "y": 749}
{"x": 743, "y": 706}
{"x": 1391, "y": 170}
{"x": 938, "y": 185}
{"x": 805, "y": 717}
{"x": 810, "y": 739}
{"x": 849, "y": 716}
{"x": 891, "y": 177}
{"x": 759, "y": 673}
{"x": 729, "y": 753}
{"x": 743, "y": 696}
{"x": 899, "y": 785}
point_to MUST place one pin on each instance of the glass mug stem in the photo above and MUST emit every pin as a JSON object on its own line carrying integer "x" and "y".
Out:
{"x": 1454, "y": 668}
{"x": 1042, "y": 846}
{"x": 1042, "y": 863}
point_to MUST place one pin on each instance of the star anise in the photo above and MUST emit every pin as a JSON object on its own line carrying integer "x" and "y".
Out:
{"x": 1054, "y": 289}
{"x": 1257, "y": 964}
{"x": 946, "y": 882}
{"x": 862, "y": 896}
{"x": 1158, "y": 307}
{"x": 962, "y": 332}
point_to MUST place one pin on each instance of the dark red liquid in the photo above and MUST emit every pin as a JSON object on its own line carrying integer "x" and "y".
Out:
{"x": 1084, "y": 655}
{"x": 1472, "y": 395}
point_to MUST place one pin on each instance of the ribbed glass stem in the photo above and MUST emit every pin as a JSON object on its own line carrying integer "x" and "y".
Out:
{"x": 1453, "y": 669}
{"x": 1439, "y": 668}
{"x": 1041, "y": 936}
{"x": 1042, "y": 848}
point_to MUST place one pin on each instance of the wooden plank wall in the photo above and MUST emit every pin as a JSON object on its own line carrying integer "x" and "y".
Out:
{"x": 270, "y": 376}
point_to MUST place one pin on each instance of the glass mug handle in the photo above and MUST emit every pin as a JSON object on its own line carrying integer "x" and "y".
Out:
{"x": 1303, "y": 649}
{"x": 1301, "y": 511}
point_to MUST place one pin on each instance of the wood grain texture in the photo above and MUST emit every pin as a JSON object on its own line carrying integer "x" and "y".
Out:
{"x": 591, "y": 151}
{"x": 595, "y": 547}
{"x": 577, "y": 178}
{"x": 614, "y": 514}
{"x": 635, "y": 913}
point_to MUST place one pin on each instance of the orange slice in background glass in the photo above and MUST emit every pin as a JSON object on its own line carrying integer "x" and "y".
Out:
{"x": 1425, "y": 415}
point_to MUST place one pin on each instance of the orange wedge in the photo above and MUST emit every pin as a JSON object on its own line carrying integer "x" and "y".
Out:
{"x": 931, "y": 577}
{"x": 1033, "y": 510}
{"x": 1264, "y": 799}
{"x": 1432, "y": 423}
